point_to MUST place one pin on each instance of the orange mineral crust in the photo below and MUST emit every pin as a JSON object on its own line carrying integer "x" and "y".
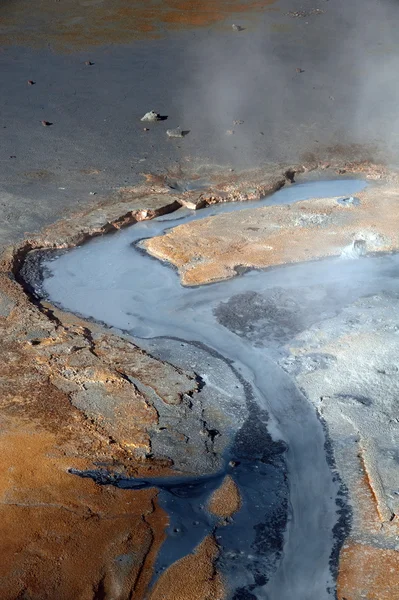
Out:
{"x": 78, "y": 24}
{"x": 194, "y": 577}
{"x": 63, "y": 537}
{"x": 368, "y": 572}
{"x": 226, "y": 500}
{"x": 210, "y": 249}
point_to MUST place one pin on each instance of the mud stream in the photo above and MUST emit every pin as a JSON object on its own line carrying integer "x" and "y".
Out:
{"x": 283, "y": 542}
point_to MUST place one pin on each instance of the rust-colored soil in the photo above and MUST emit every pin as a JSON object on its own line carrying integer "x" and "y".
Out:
{"x": 63, "y": 537}
{"x": 368, "y": 572}
{"x": 79, "y": 24}
{"x": 226, "y": 500}
{"x": 193, "y": 577}
{"x": 51, "y": 520}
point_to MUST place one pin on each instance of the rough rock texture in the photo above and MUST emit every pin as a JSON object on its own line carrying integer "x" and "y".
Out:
{"x": 50, "y": 519}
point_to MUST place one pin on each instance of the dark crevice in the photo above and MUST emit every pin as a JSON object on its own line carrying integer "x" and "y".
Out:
{"x": 100, "y": 593}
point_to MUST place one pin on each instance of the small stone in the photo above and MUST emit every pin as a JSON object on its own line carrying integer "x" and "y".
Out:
{"x": 151, "y": 116}
{"x": 238, "y": 122}
{"x": 305, "y": 13}
{"x": 88, "y": 63}
{"x": 92, "y": 193}
{"x": 230, "y": 132}
{"x": 176, "y": 133}
{"x": 31, "y": 82}
{"x": 299, "y": 70}
{"x": 146, "y": 129}
{"x": 237, "y": 27}
{"x": 46, "y": 123}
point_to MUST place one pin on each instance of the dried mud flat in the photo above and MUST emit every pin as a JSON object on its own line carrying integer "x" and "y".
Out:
{"x": 76, "y": 396}
{"x": 120, "y": 22}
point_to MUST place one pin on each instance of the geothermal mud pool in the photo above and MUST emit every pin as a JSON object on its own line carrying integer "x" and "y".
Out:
{"x": 284, "y": 539}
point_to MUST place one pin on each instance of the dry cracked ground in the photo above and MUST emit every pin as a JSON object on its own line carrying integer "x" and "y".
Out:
{"x": 78, "y": 398}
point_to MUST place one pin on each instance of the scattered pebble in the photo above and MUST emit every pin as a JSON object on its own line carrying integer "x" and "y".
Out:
{"x": 176, "y": 133}
{"x": 46, "y": 123}
{"x": 88, "y": 63}
{"x": 13, "y": 156}
{"x": 151, "y": 116}
{"x": 146, "y": 129}
{"x": 230, "y": 132}
{"x": 305, "y": 13}
{"x": 299, "y": 70}
{"x": 238, "y": 122}
{"x": 92, "y": 193}
{"x": 237, "y": 27}
{"x": 31, "y": 82}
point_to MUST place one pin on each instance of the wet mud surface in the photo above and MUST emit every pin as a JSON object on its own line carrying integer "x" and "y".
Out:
{"x": 268, "y": 562}
{"x": 239, "y": 418}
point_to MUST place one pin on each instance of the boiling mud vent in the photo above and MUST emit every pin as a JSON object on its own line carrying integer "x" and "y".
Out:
{"x": 284, "y": 539}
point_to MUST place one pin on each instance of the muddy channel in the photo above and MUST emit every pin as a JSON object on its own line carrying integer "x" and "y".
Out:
{"x": 284, "y": 539}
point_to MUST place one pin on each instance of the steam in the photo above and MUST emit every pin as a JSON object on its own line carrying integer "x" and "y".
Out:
{"x": 345, "y": 103}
